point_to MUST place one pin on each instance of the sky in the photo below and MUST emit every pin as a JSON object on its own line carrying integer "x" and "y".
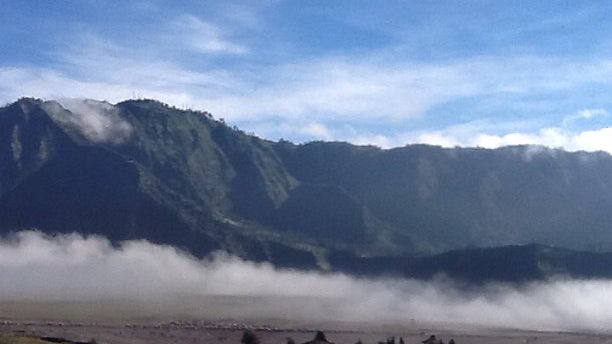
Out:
{"x": 387, "y": 73}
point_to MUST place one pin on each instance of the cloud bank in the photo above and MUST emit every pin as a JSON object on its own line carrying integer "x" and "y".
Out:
{"x": 34, "y": 266}
{"x": 480, "y": 134}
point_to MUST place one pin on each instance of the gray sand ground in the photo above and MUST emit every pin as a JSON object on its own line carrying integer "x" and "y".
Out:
{"x": 111, "y": 323}
{"x": 226, "y": 333}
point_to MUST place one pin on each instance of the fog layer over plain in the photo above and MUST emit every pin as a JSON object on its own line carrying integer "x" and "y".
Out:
{"x": 34, "y": 266}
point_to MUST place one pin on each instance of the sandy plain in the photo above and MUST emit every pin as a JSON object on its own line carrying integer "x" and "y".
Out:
{"x": 125, "y": 323}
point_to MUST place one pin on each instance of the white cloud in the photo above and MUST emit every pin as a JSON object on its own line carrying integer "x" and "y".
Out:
{"x": 550, "y": 137}
{"x": 308, "y": 107}
{"x": 72, "y": 268}
{"x": 203, "y": 37}
{"x": 51, "y": 84}
{"x": 590, "y": 113}
{"x": 584, "y": 114}
{"x": 369, "y": 139}
{"x": 342, "y": 90}
{"x": 97, "y": 121}
{"x": 436, "y": 138}
{"x": 475, "y": 135}
{"x": 366, "y": 89}
{"x": 317, "y": 130}
{"x": 332, "y": 98}
{"x": 593, "y": 140}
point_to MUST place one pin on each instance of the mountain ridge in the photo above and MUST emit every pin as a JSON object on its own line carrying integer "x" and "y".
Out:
{"x": 143, "y": 169}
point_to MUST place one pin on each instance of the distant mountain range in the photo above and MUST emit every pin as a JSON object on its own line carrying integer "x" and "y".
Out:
{"x": 142, "y": 169}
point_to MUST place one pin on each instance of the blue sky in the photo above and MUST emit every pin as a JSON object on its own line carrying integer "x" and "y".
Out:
{"x": 388, "y": 73}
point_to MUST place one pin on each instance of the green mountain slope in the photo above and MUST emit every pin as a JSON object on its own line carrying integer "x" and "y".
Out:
{"x": 456, "y": 198}
{"x": 141, "y": 169}
{"x": 178, "y": 178}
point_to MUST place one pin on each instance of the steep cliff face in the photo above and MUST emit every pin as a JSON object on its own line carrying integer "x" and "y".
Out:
{"x": 28, "y": 139}
{"x": 142, "y": 169}
{"x": 138, "y": 169}
{"x": 456, "y": 198}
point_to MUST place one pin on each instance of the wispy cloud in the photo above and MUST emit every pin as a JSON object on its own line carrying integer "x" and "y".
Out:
{"x": 375, "y": 74}
{"x": 202, "y": 36}
{"x": 342, "y": 89}
{"x": 584, "y": 114}
{"x": 330, "y": 97}
{"x": 96, "y": 121}
{"x": 590, "y": 113}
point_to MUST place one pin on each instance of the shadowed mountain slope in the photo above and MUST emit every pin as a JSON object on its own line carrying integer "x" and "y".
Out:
{"x": 142, "y": 169}
{"x": 456, "y": 198}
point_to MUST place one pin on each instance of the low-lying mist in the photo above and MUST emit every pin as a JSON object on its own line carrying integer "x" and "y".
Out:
{"x": 71, "y": 268}
{"x": 97, "y": 121}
